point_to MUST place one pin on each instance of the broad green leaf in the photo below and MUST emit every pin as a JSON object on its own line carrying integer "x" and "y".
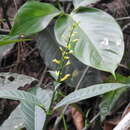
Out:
{"x": 28, "y": 115}
{"x": 109, "y": 101}
{"x": 79, "y": 3}
{"x": 33, "y": 17}
{"x": 45, "y": 97}
{"x": 15, "y": 120}
{"x": 19, "y": 95}
{"x": 89, "y": 92}
{"x": 34, "y": 117}
{"x": 49, "y": 50}
{"x": 100, "y": 43}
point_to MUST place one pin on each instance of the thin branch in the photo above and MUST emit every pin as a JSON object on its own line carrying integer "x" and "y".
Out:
{"x": 43, "y": 76}
{"x": 126, "y": 26}
{"x": 15, "y": 4}
{"x": 123, "y": 18}
{"x": 4, "y": 32}
{"x": 82, "y": 77}
{"x": 5, "y": 9}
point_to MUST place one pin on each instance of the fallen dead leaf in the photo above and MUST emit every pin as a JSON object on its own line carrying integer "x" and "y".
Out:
{"x": 77, "y": 117}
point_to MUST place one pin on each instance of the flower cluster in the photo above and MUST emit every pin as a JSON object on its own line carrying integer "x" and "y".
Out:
{"x": 65, "y": 58}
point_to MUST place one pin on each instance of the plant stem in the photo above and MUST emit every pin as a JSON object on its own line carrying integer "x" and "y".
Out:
{"x": 64, "y": 121}
{"x": 47, "y": 114}
{"x": 82, "y": 77}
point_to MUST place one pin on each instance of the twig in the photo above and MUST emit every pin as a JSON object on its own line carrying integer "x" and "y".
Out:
{"x": 15, "y": 4}
{"x": 82, "y": 77}
{"x": 65, "y": 108}
{"x": 123, "y": 66}
{"x": 59, "y": 118}
{"x": 94, "y": 118}
{"x": 33, "y": 50}
{"x": 4, "y": 32}
{"x": 126, "y": 26}
{"x": 43, "y": 76}
{"x": 5, "y": 9}
{"x": 123, "y": 18}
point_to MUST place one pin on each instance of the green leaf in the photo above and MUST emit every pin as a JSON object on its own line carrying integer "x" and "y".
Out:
{"x": 33, "y": 17}
{"x": 79, "y": 3}
{"x": 100, "y": 43}
{"x": 89, "y": 92}
{"x": 109, "y": 102}
{"x": 45, "y": 97}
{"x": 34, "y": 116}
{"x": 14, "y": 121}
{"x": 19, "y": 95}
{"x": 119, "y": 79}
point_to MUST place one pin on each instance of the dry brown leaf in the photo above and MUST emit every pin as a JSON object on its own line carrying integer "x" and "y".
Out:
{"x": 77, "y": 117}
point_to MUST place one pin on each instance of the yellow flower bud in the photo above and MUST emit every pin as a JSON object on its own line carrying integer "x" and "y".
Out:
{"x": 68, "y": 46}
{"x": 57, "y": 73}
{"x": 75, "y": 40}
{"x": 61, "y": 49}
{"x": 65, "y": 77}
{"x": 56, "y": 61}
{"x": 66, "y": 57}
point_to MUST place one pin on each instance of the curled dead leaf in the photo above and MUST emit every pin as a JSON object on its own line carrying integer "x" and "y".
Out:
{"x": 77, "y": 117}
